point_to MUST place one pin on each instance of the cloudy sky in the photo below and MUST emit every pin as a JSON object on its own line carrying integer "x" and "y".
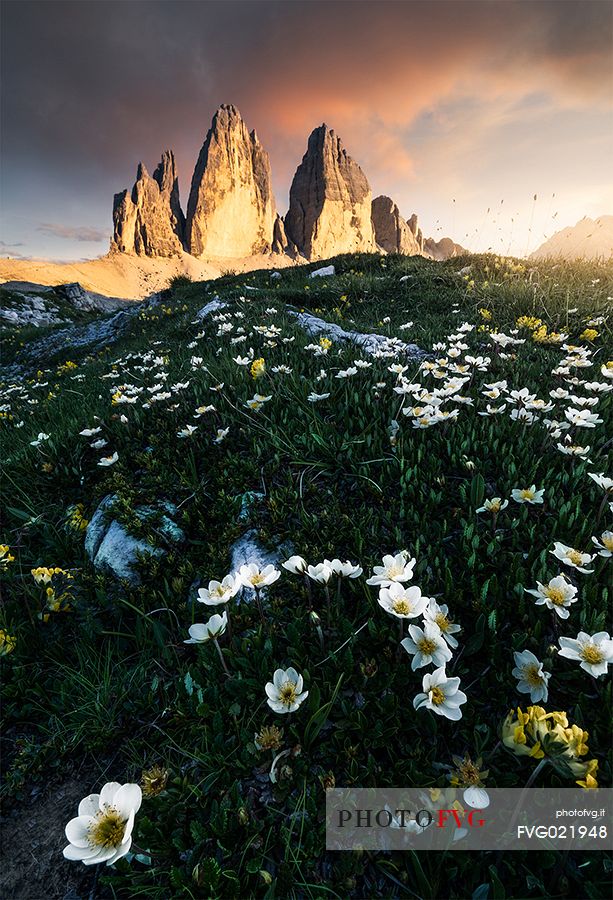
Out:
{"x": 460, "y": 111}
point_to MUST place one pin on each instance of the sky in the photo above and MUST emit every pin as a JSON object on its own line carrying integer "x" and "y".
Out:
{"x": 462, "y": 112}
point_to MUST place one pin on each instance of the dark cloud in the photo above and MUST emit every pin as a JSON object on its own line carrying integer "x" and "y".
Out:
{"x": 89, "y": 88}
{"x": 72, "y": 233}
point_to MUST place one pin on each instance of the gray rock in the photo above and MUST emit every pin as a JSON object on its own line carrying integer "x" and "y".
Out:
{"x": 372, "y": 344}
{"x": 114, "y": 551}
{"x": 210, "y": 307}
{"x": 321, "y": 273}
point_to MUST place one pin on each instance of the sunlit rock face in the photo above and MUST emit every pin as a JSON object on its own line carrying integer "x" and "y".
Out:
{"x": 443, "y": 249}
{"x": 148, "y": 221}
{"x": 330, "y": 201}
{"x": 393, "y": 233}
{"x": 231, "y": 209}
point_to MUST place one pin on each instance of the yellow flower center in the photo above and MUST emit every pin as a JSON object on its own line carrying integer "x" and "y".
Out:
{"x": 532, "y": 676}
{"x": 256, "y": 580}
{"x": 607, "y": 540}
{"x": 287, "y": 694}
{"x": 426, "y": 646}
{"x": 402, "y": 607}
{"x": 107, "y": 830}
{"x": 556, "y": 595}
{"x": 575, "y": 557}
{"x": 437, "y": 696}
{"x": 495, "y": 505}
{"x": 591, "y": 654}
{"x": 442, "y": 621}
{"x": 394, "y": 571}
{"x": 527, "y": 494}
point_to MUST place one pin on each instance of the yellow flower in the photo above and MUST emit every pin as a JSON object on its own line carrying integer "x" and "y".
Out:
{"x": 7, "y": 642}
{"x": 588, "y": 335}
{"x": 5, "y": 557}
{"x": 485, "y": 314}
{"x": 530, "y": 322}
{"x": 154, "y": 781}
{"x": 540, "y": 734}
{"x": 258, "y": 368}
{"x": 325, "y": 342}
{"x": 76, "y": 518}
{"x": 589, "y": 782}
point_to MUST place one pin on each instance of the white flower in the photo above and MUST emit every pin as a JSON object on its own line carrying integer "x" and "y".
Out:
{"x": 41, "y": 437}
{"x": 441, "y": 695}
{"x": 605, "y": 543}
{"x": 257, "y": 401}
{"x": 202, "y": 410}
{"x": 99, "y": 444}
{"x": 601, "y": 480}
{"x": 211, "y": 630}
{"x": 439, "y": 614}
{"x": 89, "y": 432}
{"x": 219, "y": 591}
{"x": 102, "y": 831}
{"x": 573, "y": 558}
{"x": 109, "y": 460}
{"x": 495, "y": 505}
{"x": 221, "y": 435}
{"x": 346, "y": 373}
{"x": 528, "y": 495}
{"x": 252, "y": 576}
{"x": 285, "y": 692}
{"x": 426, "y": 646}
{"x": 394, "y": 568}
{"x": 582, "y": 418}
{"x": 187, "y": 432}
{"x": 322, "y": 572}
{"x": 403, "y": 602}
{"x": 530, "y": 676}
{"x": 296, "y": 565}
{"x": 344, "y": 569}
{"x": 573, "y": 450}
{"x": 315, "y": 398}
{"x": 476, "y": 797}
{"x": 556, "y": 595}
{"x": 595, "y": 651}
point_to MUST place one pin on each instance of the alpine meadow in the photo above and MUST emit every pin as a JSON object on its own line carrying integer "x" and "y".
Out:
{"x": 337, "y": 525}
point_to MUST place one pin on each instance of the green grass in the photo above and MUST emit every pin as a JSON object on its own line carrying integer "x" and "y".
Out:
{"x": 109, "y": 682}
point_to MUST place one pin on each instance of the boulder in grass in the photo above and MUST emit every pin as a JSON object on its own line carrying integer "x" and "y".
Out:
{"x": 114, "y": 551}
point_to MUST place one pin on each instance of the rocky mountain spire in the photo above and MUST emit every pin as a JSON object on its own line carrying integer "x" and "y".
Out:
{"x": 330, "y": 201}
{"x": 148, "y": 221}
{"x": 392, "y": 233}
{"x": 231, "y": 209}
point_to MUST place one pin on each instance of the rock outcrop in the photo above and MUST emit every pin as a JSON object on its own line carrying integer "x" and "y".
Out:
{"x": 148, "y": 221}
{"x": 330, "y": 201}
{"x": 280, "y": 241}
{"x": 231, "y": 209}
{"x": 393, "y": 233}
{"x": 443, "y": 249}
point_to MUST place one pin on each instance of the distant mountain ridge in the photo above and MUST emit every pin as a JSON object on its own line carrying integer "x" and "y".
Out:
{"x": 588, "y": 239}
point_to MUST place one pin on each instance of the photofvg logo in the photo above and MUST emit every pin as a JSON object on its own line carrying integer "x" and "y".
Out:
{"x": 467, "y": 819}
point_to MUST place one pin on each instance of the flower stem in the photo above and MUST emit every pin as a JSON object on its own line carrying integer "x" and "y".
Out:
{"x": 221, "y": 656}
{"x": 259, "y": 603}
{"x": 536, "y": 772}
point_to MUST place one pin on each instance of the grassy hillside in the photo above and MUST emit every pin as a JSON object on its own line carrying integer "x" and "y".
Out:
{"x": 98, "y": 682}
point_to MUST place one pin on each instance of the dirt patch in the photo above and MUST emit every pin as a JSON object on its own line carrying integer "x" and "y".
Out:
{"x": 32, "y": 836}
